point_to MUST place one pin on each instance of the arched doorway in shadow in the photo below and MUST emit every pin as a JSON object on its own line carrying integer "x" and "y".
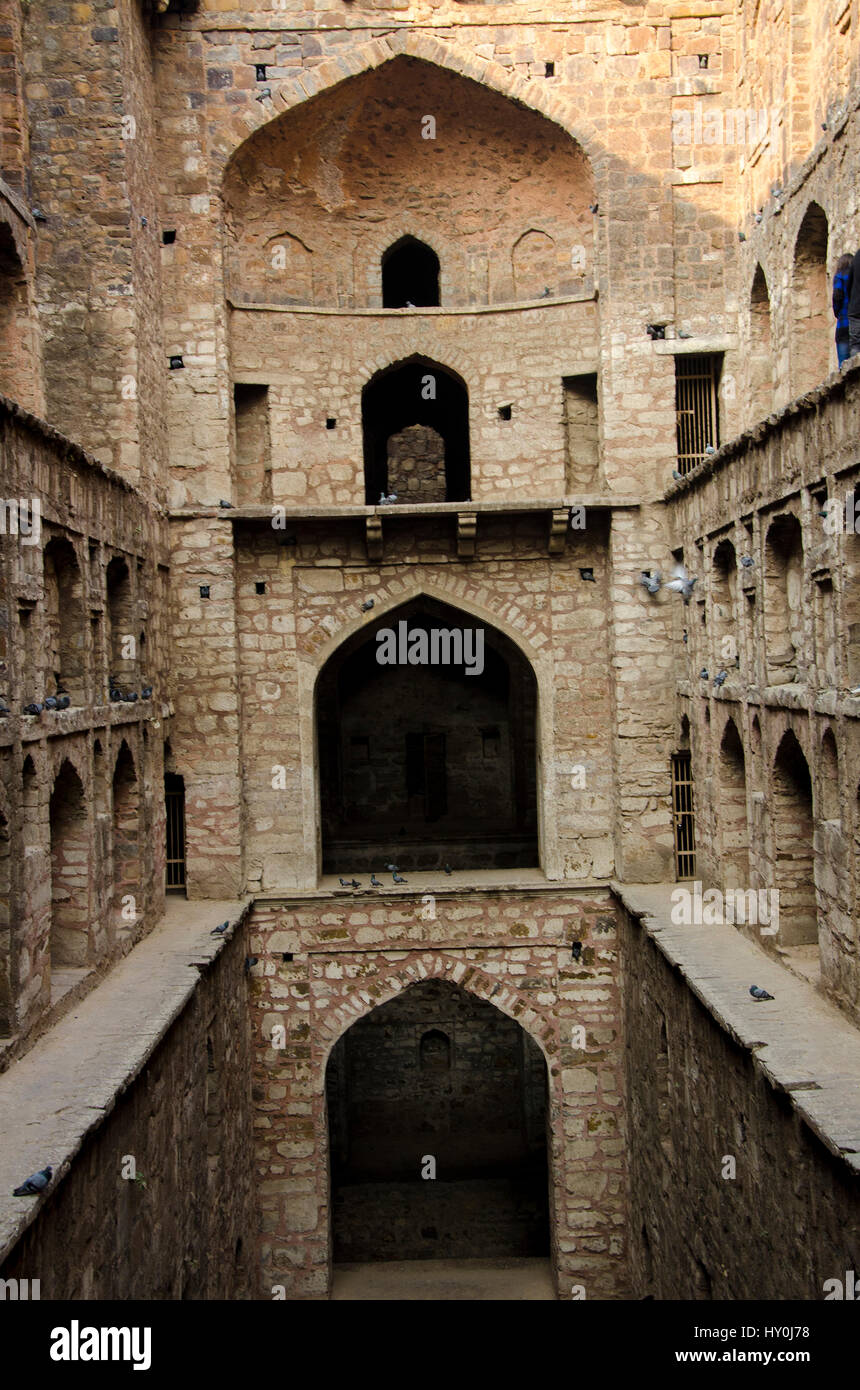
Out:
{"x": 428, "y": 764}
{"x": 423, "y": 393}
{"x": 410, "y": 275}
{"x": 437, "y": 1081}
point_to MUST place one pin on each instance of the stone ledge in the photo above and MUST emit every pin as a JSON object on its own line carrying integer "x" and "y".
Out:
{"x": 800, "y": 1042}
{"x": 71, "y": 1079}
{"x": 605, "y": 501}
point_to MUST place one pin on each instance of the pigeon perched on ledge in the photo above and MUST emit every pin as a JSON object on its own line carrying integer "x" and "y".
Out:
{"x": 374, "y": 881}
{"x": 651, "y": 580}
{"x": 50, "y": 702}
{"x": 398, "y": 879}
{"x": 33, "y": 708}
{"x": 759, "y": 993}
{"x": 219, "y": 931}
{"x": 36, "y": 1183}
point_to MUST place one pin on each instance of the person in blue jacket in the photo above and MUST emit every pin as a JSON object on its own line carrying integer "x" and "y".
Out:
{"x": 841, "y": 296}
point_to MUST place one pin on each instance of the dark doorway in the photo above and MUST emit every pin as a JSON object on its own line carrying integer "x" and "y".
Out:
{"x": 410, "y": 275}
{"x": 426, "y": 764}
{"x": 437, "y": 1080}
{"x": 417, "y": 392}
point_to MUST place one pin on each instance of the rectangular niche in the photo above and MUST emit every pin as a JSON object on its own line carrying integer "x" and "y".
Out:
{"x": 253, "y": 445}
{"x": 581, "y": 433}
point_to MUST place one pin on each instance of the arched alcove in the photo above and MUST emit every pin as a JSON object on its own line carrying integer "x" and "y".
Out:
{"x": 732, "y": 809}
{"x": 828, "y": 808}
{"x": 811, "y": 326}
{"x": 64, "y": 628}
{"x": 7, "y": 1000}
{"x": 126, "y": 841}
{"x": 424, "y": 764}
{"x": 410, "y": 275}
{"x": 793, "y": 828}
{"x": 761, "y": 351}
{"x": 417, "y": 392}
{"x": 783, "y": 607}
{"x": 723, "y": 618}
{"x": 122, "y": 627}
{"x": 442, "y": 1161}
{"x": 70, "y": 863}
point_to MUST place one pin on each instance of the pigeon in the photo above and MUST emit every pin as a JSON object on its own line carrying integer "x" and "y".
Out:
{"x": 36, "y": 1183}
{"x": 776, "y": 191}
{"x": 683, "y": 334}
{"x": 33, "y": 708}
{"x": 38, "y": 215}
{"x": 130, "y": 698}
{"x": 367, "y": 605}
{"x": 374, "y": 881}
{"x": 64, "y": 701}
{"x": 146, "y": 693}
{"x": 144, "y": 222}
{"x": 676, "y": 475}
{"x": 704, "y": 674}
{"x": 759, "y": 993}
{"x": 651, "y": 580}
{"x": 448, "y": 869}
{"x": 824, "y": 125}
{"x": 747, "y": 561}
{"x": 115, "y": 694}
{"x": 685, "y": 638}
{"x": 354, "y": 883}
{"x": 855, "y": 690}
{"x": 4, "y": 708}
{"x": 250, "y": 961}
{"x": 385, "y": 499}
{"x": 682, "y": 583}
{"x": 758, "y": 218}
{"x": 50, "y": 702}
{"x": 398, "y": 879}
{"x": 225, "y": 506}
{"x": 546, "y": 292}
{"x": 709, "y": 449}
{"x": 742, "y": 236}
{"x": 219, "y": 931}
{"x": 392, "y": 868}
{"x": 345, "y": 882}
{"x": 720, "y": 678}
{"x": 592, "y": 207}
{"x": 265, "y": 95}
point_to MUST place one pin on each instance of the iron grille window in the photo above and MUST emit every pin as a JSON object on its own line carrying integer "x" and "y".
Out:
{"x": 697, "y": 416}
{"x": 174, "y": 801}
{"x": 683, "y": 815}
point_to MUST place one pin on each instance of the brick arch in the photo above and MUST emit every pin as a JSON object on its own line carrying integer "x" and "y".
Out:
{"x": 454, "y": 57}
{"x": 540, "y": 1025}
{"x": 372, "y": 247}
{"x": 74, "y": 756}
{"x": 458, "y": 594}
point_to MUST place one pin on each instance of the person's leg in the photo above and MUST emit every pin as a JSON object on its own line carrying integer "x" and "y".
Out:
{"x": 853, "y": 337}
{"x": 842, "y": 350}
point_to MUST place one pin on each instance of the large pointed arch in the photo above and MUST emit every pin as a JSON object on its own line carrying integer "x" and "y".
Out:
{"x": 478, "y": 607}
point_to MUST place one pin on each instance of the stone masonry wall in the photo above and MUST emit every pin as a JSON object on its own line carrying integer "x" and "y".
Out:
{"x": 184, "y": 1228}
{"x": 785, "y": 1223}
{"x": 344, "y": 956}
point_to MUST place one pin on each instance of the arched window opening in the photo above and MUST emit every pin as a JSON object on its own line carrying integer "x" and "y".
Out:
{"x": 174, "y": 802}
{"x": 410, "y": 275}
{"x": 480, "y": 1121}
{"x": 416, "y": 393}
{"x": 435, "y": 1051}
{"x": 829, "y": 803}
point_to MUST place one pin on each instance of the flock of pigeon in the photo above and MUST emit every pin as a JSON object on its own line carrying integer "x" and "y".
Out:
{"x": 377, "y": 883}
{"x": 62, "y": 700}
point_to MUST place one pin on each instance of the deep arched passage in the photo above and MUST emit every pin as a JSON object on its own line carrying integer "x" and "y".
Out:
{"x": 810, "y": 344}
{"x": 732, "y": 804}
{"x": 126, "y": 841}
{"x": 410, "y": 393}
{"x": 70, "y": 856}
{"x": 410, "y": 275}
{"x": 437, "y": 1081}
{"x": 793, "y": 844}
{"x": 425, "y": 763}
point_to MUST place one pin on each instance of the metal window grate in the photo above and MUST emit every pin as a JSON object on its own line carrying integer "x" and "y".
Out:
{"x": 683, "y": 815}
{"x": 697, "y": 413}
{"x": 174, "y": 801}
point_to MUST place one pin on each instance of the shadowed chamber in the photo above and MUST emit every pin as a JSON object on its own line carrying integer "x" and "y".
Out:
{"x": 425, "y": 765}
{"x": 437, "y": 1073}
